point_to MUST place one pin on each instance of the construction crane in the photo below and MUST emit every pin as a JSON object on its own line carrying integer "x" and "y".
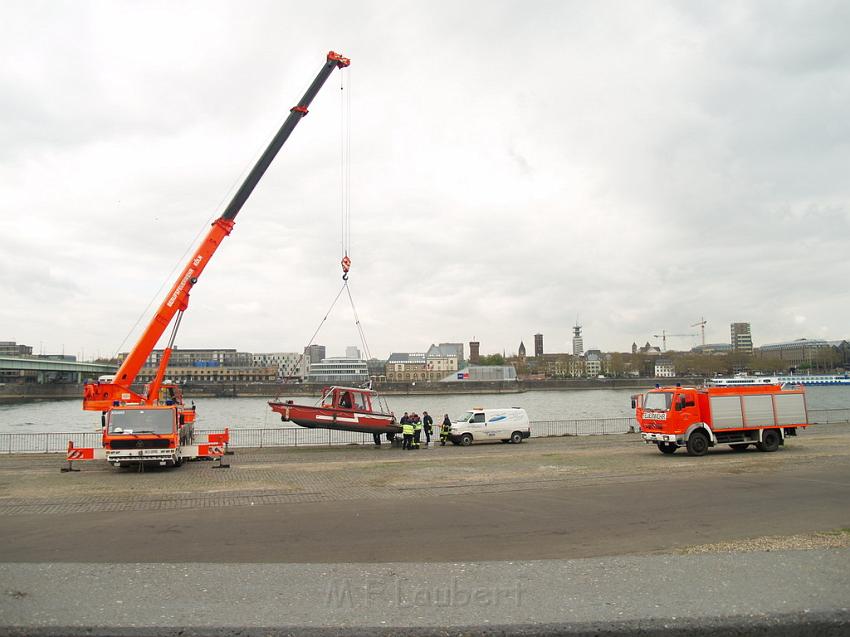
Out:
{"x": 701, "y": 325}
{"x": 664, "y": 336}
{"x": 150, "y": 426}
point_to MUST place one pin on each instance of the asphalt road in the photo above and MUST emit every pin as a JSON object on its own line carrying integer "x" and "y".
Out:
{"x": 575, "y": 536}
{"x": 584, "y": 519}
{"x": 786, "y": 593}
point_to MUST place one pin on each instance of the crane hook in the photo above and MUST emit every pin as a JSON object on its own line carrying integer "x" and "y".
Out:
{"x": 346, "y": 265}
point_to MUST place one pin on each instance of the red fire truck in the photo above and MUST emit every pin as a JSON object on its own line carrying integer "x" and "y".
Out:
{"x": 699, "y": 418}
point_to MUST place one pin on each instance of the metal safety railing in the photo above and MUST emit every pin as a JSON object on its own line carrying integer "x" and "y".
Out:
{"x": 829, "y": 416}
{"x": 583, "y": 427}
{"x": 57, "y": 442}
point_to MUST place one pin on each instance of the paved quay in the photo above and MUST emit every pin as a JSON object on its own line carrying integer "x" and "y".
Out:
{"x": 552, "y": 498}
{"x": 595, "y": 532}
{"x": 707, "y": 594}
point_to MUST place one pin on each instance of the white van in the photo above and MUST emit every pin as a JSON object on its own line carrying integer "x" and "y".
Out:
{"x": 479, "y": 424}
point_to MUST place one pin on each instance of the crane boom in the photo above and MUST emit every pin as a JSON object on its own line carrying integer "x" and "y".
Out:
{"x": 102, "y": 396}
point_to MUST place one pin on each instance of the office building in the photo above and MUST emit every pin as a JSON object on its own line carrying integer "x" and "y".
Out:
{"x": 742, "y": 339}
{"x": 314, "y": 353}
{"x": 339, "y": 371}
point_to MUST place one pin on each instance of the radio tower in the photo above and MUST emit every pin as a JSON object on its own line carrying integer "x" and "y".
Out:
{"x": 578, "y": 341}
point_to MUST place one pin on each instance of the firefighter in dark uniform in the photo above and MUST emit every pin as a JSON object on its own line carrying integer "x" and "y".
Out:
{"x": 427, "y": 427}
{"x": 445, "y": 430}
{"x": 417, "y": 430}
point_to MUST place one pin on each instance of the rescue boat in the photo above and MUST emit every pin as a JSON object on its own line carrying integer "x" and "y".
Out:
{"x": 343, "y": 408}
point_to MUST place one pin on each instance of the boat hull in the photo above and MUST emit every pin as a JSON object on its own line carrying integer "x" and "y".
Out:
{"x": 336, "y": 418}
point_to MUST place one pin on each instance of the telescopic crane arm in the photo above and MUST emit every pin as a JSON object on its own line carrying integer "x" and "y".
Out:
{"x": 101, "y": 396}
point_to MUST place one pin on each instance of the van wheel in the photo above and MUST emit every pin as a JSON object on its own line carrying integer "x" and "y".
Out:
{"x": 697, "y": 444}
{"x": 770, "y": 440}
{"x": 516, "y": 437}
{"x": 667, "y": 447}
{"x": 466, "y": 440}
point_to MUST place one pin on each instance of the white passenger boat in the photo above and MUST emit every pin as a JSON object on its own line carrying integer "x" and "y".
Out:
{"x": 789, "y": 379}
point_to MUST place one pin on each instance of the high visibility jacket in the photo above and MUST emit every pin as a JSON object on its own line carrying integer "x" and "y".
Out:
{"x": 417, "y": 426}
{"x": 407, "y": 429}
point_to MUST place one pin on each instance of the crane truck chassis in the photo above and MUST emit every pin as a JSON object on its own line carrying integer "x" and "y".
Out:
{"x": 700, "y": 418}
{"x": 150, "y": 435}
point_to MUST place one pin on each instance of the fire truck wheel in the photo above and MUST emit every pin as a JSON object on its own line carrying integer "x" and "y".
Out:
{"x": 697, "y": 443}
{"x": 178, "y": 462}
{"x": 466, "y": 440}
{"x": 769, "y": 440}
{"x": 667, "y": 447}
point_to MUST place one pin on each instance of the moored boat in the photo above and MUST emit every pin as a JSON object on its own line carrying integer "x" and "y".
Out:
{"x": 788, "y": 379}
{"x": 343, "y": 408}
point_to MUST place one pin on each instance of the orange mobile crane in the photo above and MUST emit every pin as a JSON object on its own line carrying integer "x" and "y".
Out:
{"x": 154, "y": 426}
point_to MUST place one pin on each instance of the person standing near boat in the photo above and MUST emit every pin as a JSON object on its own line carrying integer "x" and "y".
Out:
{"x": 406, "y": 432}
{"x": 427, "y": 427}
{"x": 445, "y": 430}
{"x": 417, "y": 429}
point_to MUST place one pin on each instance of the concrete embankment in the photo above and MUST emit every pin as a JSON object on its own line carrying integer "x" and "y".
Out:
{"x": 21, "y": 392}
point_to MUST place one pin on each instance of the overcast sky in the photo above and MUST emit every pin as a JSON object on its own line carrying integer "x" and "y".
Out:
{"x": 514, "y": 166}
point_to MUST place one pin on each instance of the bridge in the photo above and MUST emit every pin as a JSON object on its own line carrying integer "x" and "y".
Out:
{"x": 46, "y": 370}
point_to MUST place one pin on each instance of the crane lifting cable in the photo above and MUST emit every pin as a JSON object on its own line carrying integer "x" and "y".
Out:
{"x": 359, "y": 409}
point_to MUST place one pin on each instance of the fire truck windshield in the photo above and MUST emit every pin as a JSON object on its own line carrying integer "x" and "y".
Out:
{"x": 660, "y": 401}
{"x": 141, "y": 421}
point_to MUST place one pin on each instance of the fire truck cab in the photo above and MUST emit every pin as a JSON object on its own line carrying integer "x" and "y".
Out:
{"x": 153, "y": 434}
{"x": 699, "y": 418}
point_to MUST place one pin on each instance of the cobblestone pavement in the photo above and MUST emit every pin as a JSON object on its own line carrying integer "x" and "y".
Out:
{"x": 33, "y": 484}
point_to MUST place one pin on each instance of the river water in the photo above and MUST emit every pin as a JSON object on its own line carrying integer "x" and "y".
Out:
{"x": 246, "y": 413}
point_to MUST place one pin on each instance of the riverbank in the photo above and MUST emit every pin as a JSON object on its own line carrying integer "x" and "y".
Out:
{"x": 15, "y": 392}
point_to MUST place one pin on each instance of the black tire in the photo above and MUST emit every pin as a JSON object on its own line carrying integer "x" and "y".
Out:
{"x": 770, "y": 440}
{"x": 179, "y": 462}
{"x": 466, "y": 440}
{"x": 697, "y": 443}
{"x": 516, "y": 437}
{"x": 739, "y": 447}
{"x": 667, "y": 448}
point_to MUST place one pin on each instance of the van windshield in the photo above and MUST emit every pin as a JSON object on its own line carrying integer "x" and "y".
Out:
{"x": 465, "y": 418}
{"x": 660, "y": 401}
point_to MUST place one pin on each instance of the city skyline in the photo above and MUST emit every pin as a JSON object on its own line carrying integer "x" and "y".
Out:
{"x": 641, "y": 182}
{"x": 319, "y": 351}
